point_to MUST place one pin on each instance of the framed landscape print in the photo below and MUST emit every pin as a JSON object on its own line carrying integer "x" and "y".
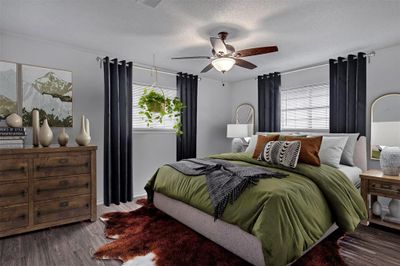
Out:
{"x": 8, "y": 89}
{"x": 49, "y": 91}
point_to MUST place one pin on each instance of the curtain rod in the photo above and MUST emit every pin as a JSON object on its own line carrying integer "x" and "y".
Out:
{"x": 367, "y": 55}
{"x": 101, "y": 60}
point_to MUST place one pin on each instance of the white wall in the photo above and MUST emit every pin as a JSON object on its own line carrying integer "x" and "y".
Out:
{"x": 214, "y": 112}
{"x": 150, "y": 150}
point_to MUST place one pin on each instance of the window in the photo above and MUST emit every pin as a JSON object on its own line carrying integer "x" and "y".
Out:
{"x": 305, "y": 108}
{"x": 137, "y": 120}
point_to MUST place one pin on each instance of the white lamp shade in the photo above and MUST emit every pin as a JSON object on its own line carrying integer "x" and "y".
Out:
{"x": 385, "y": 134}
{"x": 239, "y": 130}
{"x": 223, "y": 64}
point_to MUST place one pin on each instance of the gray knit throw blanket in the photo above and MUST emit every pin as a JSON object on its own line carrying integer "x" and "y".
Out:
{"x": 225, "y": 180}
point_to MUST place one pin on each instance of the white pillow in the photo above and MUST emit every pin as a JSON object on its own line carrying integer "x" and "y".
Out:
{"x": 331, "y": 150}
{"x": 252, "y": 144}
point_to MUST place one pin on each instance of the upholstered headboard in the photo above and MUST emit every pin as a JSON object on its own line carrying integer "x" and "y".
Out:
{"x": 360, "y": 153}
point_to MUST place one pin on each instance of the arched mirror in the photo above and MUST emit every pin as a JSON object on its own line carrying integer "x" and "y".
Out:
{"x": 245, "y": 114}
{"x": 385, "y": 123}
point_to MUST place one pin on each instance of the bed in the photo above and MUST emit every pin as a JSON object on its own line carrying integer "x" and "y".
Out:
{"x": 256, "y": 236}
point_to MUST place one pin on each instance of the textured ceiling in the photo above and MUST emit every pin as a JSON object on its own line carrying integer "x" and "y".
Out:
{"x": 306, "y": 32}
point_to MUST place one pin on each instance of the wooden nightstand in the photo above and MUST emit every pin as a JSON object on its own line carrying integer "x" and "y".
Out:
{"x": 375, "y": 183}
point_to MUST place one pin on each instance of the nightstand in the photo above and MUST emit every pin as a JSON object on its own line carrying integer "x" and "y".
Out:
{"x": 375, "y": 183}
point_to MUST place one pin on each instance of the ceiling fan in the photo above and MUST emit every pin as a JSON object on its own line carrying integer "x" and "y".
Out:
{"x": 224, "y": 56}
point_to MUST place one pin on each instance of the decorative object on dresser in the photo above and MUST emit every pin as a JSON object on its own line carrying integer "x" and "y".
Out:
{"x": 375, "y": 183}
{"x": 63, "y": 137}
{"x": 35, "y": 127}
{"x": 45, "y": 134}
{"x": 14, "y": 120}
{"x": 12, "y": 137}
{"x": 390, "y": 161}
{"x": 83, "y": 138}
{"x": 40, "y": 188}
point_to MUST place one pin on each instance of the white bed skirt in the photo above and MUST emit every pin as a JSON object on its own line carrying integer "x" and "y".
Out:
{"x": 229, "y": 236}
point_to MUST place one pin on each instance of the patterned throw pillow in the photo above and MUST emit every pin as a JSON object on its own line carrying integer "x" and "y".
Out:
{"x": 284, "y": 153}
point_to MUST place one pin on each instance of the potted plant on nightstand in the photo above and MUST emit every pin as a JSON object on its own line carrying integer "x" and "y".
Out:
{"x": 155, "y": 106}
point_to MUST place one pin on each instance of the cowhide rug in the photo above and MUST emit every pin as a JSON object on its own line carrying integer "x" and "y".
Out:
{"x": 147, "y": 236}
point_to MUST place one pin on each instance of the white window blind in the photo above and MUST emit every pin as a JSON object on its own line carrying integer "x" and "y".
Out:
{"x": 137, "y": 119}
{"x": 305, "y": 108}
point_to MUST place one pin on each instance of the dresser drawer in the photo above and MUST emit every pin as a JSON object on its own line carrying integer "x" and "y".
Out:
{"x": 61, "y": 187}
{"x": 384, "y": 187}
{"x": 13, "y": 217}
{"x": 72, "y": 164}
{"x": 57, "y": 210}
{"x": 13, "y": 169}
{"x": 11, "y": 194}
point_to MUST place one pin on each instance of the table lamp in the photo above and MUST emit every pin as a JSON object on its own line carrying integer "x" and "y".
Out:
{"x": 239, "y": 132}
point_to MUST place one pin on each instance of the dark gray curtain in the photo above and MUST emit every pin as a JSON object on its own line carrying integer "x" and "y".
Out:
{"x": 269, "y": 102}
{"x": 348, "y": 89}
{"x": 187, "y": 93}
{"x": 117, "y": 131}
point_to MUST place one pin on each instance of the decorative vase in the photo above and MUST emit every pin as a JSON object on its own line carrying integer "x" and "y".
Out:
{"x": 394, "y": 208}
{"x": 390, "y": 161}
{"x": 14, "y": 120}
{"x": 87, "y": 127}
{"x": 377, "y": 208}
{"x": 45, "y": 134}
{"x": 35, "y": 128}
{"x": 83, "y": 139}
{"x": 63, "y": 138}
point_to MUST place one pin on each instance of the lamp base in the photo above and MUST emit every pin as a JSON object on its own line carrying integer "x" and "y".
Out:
{"x": 239, "y": 145}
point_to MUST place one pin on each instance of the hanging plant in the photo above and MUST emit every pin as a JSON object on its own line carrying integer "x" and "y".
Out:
{"x": 155, "y": 106}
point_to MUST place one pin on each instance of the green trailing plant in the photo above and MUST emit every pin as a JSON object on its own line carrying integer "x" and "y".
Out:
{"x": 155, "y": 107}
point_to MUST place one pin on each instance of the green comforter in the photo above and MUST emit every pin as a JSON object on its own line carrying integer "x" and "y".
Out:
{"x": 288, "y": 215}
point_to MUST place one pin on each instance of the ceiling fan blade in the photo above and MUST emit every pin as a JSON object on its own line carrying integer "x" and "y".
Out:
{"x": 218, "y": 45}
{"x": 192, "y": 57}
{"x": 245, "y": 64}
{"x": 256, "y": 51}
{"x": 207, "y": 68}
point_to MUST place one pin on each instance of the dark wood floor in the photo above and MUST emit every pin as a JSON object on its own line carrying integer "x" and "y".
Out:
{"x": 72, "y": 245}
{"x": 68, "y": 245}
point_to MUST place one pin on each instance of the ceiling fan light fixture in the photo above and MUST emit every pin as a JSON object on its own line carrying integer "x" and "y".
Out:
{"x": 223, "y": 64}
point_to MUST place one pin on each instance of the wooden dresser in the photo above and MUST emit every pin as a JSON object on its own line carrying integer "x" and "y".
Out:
{"x": 43, "y": 187}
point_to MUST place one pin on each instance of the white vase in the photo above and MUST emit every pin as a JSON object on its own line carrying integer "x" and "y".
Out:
{"x": 14, "y": 120}
{"x": 377, "y": 208}
{"x": 83, "y": 139}
{"x": 394, "y": 208}
{"x": 63, "y": 138}
{"x": 45, "y": 134}
{"x": 35, "y": 128}
{"x": 390, "y": 161}
{"x": 87, "y": 126}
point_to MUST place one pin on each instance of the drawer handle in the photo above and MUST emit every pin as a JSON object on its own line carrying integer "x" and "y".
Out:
{"x": 21, "y": 169}
{"x": 385, "y": 186}
{"x": 38, "y": 214}
{"x": 38, "y": 191}
{"x": 22, "y": 193}
{"x": 64, "y": 204}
